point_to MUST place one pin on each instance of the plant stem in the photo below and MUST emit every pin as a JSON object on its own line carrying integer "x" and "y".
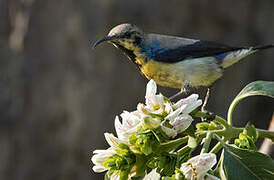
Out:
{"x": 173, "y": 144}
{"x": 182, "y": 149}
{"x": 262, "y": 133}
{"x": 206, "y": 143}
{"x": 216, "y": 148}
{"x": 230, "y": 110}
{"x": 266, "y": 134}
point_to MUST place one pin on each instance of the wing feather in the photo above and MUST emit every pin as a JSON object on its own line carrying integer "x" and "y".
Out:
{"x": 172, "y": 49}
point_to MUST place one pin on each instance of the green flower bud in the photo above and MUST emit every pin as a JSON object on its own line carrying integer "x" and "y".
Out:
{"x": 146, "y": 142}
{"x": 205, "y": 126}
{"x": 245, "y": 142}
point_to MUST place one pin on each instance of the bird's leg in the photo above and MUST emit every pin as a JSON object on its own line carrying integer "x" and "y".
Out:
{"x": 177, "y": 94}
{"x": 206, "y": 100}
{"x": 185, "y": 90}
{"x": 210, "y": 114}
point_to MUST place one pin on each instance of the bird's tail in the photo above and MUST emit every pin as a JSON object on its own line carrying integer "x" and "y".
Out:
{"x": 234, "y": 56}
{"x": 261, "y": 47}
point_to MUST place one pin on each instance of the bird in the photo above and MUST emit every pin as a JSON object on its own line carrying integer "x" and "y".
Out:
{"x": 176, "y": 62}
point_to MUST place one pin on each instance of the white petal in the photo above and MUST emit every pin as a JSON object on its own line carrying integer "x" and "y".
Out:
{"x": 200, "y": 164}
{"x": 174, "y": 114}
{"x": 187, "y": 170}
{"x": 211, "y": 177}
{"x": 203, "y": 162}
{"x": 187, "y": 100}
{"x": 159, "y": 99}
{"x": 192, "y": 106}
{"x": 100, "y": 156}
{"x": 130, "y": 119}
{"x": 153, "y": 175}
{"x": 108, "y": 151}
{"x": 141, "y": 109}
{"x": 99, "y": 169}
{"x": 181, "y": 122}
{"x": 112, "y": 140}
{"x": 118, "y": 127}
{"x": 151, "y": 89}
{"x": 130, "y": 123}
{"x": 168, "y": 108}
{"x": 169, "y": 131}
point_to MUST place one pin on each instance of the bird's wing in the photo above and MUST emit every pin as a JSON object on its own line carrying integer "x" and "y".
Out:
{"x": 178, "y": 49}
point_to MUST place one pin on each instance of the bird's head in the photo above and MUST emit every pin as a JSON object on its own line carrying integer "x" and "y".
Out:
{"x": 126, "y": 35}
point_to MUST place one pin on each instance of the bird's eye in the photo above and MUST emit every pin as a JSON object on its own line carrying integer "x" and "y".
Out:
{"x": 127, "y": 35}
{"x": 137, "y": 40}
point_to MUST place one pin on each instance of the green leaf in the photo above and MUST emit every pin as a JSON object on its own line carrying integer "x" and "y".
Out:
{"x": 247, "y": 164}
{"x": 262, "y": 88}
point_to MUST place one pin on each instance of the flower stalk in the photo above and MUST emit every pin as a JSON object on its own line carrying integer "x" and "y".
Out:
{"x": 206, "y": 142}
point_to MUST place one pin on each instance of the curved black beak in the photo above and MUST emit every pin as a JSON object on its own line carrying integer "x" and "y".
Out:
{"x": 106, "y": 38}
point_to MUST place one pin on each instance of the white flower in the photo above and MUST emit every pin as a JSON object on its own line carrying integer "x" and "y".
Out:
{"x": 180, "y": 119}
{"x": 188, "y": 104}
{"x": 198, "y": 166}
{"x": 170, "y": 132}
{"x": 155, "y": 103}
{"x": 181, "y": 122}
{"x": 114, "y": 141}
{"x": 130, "y": 123}
{"x": 99, "y": 157}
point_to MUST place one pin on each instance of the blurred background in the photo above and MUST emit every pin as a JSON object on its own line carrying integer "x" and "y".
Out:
{"x": 58, "y": 96}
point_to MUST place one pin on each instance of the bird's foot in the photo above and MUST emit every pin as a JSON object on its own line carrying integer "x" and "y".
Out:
{"x": 177, "y": 94}
{"x": 185, "y": 90}
{"x": 205, "y": 102}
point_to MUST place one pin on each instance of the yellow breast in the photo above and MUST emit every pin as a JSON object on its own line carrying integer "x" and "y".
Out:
{"x": 162, "y": 73}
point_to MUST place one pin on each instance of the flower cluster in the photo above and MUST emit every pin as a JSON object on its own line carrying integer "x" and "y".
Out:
{"x": 159, "y": 141}
{"x": 157, "y": 112}
{"x": 143, "y": 132}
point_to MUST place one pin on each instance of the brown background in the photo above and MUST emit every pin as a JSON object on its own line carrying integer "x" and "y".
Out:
{"x": 58, "y": 96}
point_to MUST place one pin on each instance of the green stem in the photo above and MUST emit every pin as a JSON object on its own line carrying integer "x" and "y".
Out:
{"x": 266, "y": 134}
{"x": 230, "y": 110}
{"x": 183, "y": 149}
{"x": 173, "y": 144}
{"x": 261, "y": 132}
{"x": 206, "y": 143}
{"x": 216, "y": 148}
